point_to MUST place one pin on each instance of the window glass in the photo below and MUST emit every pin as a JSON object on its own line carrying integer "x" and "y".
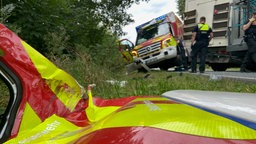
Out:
{"x": 152, "y": 31}
{"x": 126, "y": 45}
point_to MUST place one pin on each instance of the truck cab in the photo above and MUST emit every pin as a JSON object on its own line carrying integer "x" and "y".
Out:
{"x": 156, "y": 45}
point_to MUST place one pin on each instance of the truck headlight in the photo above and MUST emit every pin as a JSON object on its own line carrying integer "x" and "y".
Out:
{"x": 134, "y": 54}
{"x": 166, "y": 43}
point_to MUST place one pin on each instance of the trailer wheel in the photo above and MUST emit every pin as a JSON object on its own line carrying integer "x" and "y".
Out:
{"x": 219, "y": 67}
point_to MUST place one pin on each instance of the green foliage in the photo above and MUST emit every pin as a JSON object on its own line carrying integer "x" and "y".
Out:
{"x": 90, "y": 65}
{"x": 6, "y": 12}
{"x": 57, "y": 44}
{"x": 85, "y": 22}
{"x": 181, "y": 7}
{"x": 86, "y": 71}
{"x": 106, "y": 54}
{"x": 36, "y": 19}
{"x": 4, "y": 96}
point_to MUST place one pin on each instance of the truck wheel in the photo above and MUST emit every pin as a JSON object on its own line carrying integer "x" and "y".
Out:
{"x": 219, "y": 67}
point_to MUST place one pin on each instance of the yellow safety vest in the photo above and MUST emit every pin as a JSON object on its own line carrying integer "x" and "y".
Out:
{"x": 202, "y": 32}
{"x": 203, "y": 27}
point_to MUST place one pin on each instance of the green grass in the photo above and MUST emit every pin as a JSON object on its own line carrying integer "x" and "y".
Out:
{"x": 159, "y": 82}
{"x": 141, "y": 84}
{"x": 137, "y": 84}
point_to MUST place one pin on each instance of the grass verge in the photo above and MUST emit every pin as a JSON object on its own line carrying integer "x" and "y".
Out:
{"x": 157, "y": 83}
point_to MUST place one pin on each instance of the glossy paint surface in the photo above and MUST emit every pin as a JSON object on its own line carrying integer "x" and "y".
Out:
{"x": 239, "y": 107}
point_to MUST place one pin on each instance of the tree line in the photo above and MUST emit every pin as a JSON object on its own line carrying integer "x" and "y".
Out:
{"x": 75, "y": 22}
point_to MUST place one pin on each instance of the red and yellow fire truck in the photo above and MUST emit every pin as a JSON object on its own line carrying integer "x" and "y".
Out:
{"x": 155, "y": 44}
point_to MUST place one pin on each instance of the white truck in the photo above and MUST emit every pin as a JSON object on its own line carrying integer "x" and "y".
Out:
{"x": 226, "y": 18}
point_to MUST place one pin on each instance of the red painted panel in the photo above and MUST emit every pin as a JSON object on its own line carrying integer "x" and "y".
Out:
{"x": 146, "y": 135}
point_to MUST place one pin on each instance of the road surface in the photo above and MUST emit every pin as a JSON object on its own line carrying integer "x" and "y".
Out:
{"x": 230, "y": 74}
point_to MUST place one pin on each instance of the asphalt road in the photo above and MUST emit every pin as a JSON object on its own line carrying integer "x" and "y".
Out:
{"x": 230, "y": 74}
{"x": 233, "y": 74}
{"x": 236, "y": 75}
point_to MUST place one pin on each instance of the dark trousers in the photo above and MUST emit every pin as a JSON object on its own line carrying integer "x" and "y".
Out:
{"x": 181, "y": 51}
{"x": 199, "y": 48}
{"x": 249, "y": 62}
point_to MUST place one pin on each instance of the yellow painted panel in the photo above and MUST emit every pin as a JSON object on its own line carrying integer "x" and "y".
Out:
{"x": 29, "y": 119}
{"x": 52, "y": 130}
{"x": 178, "y": 118}
{"x": 61, "y": 83}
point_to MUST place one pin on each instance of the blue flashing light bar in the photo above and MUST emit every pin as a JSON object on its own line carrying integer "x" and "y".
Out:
{"x": 151, "y": 22}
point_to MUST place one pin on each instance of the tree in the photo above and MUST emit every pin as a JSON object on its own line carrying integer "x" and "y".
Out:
{"x": 84, "y": 21}
{"x": 181, "y": 7}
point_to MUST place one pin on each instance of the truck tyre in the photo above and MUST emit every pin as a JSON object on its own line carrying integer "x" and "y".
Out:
{"x": 219, "y": 67}
{"x": 171, "y": 63}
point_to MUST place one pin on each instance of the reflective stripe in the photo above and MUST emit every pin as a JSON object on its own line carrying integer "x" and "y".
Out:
{"x": 55, "y": 130}
{"x": 64, "y": 86}
{"x": 170, "y": 117}
{"x": 29, "y": 119}
{"x": 203, "y": 27}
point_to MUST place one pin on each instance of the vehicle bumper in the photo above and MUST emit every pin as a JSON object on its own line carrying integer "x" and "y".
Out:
{"x": 163, "y": 54}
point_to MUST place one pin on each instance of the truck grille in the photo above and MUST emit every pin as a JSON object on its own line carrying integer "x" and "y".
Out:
{"x": 149, "y": 49}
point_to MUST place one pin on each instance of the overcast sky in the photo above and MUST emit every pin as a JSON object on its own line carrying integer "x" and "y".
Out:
{"x": 146, "y": 11}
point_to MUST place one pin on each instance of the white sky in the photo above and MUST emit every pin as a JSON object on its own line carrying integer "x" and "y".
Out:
{"x": 146, "y": 11}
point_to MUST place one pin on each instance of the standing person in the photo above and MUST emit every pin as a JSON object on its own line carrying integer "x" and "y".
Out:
{"x": 249, "y": 28}
{"x": 201, "y": 36}
{"x": 181, "y": 50}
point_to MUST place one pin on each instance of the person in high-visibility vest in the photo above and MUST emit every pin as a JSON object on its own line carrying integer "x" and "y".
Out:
{"x": 201, "y": 36}
{"x": 249, "y": 28}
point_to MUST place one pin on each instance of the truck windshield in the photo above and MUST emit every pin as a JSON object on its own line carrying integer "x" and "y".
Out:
{"x": 152, "y": 32}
